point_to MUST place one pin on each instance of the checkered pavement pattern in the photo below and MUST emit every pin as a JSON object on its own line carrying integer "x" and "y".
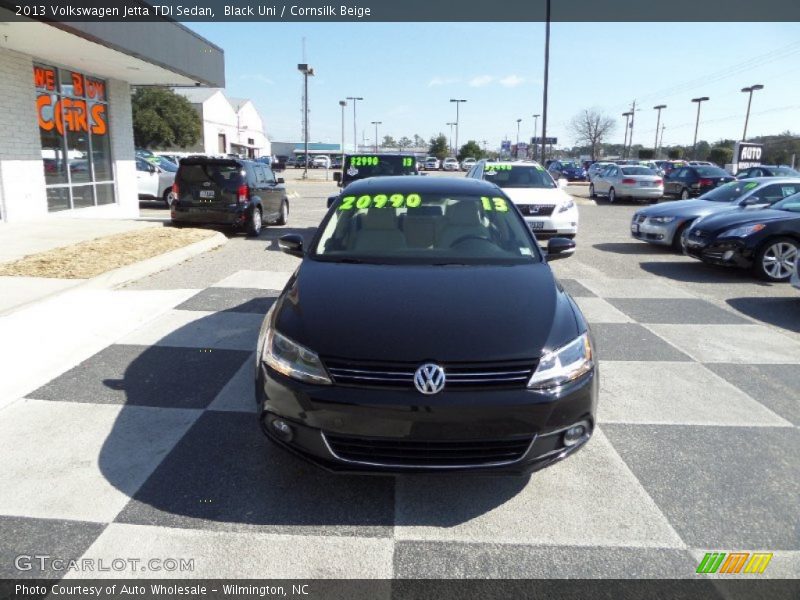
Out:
{"x": 150, "y": 449}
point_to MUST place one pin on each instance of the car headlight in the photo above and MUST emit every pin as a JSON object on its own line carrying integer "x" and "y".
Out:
{"x": 563, "y": 365}
{"x": 743, "y": 231}
{"x": 292, "y": 359}
{"x": 661, "y": 220}
{"x": 565, "y": 207}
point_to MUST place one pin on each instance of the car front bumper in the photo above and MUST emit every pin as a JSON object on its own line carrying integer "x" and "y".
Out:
{"x": 726, "y": 252}
{"x": 320, "y": 417}
{"x": 654, "y": 233}
{"x": 565, "y": 223}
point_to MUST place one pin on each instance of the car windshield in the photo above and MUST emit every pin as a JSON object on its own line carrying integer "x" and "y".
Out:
{"x": 710, "y": 172}
{"x": 790, "y": 204}
{"x": 518, "y": 176}
{"x": 433, "y": 229}
{"x": 637, "y": 171}
{"x": 361, "y": 167}
{"x": 730, "y": 191}
{"x": 167, "y": 165}
{"x": 571, "y": 165}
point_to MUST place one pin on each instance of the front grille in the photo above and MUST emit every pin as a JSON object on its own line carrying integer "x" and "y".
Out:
{"x": 536, "y": 210}
{"x": 427, "y": 454}
{"x": 458, "y": 376}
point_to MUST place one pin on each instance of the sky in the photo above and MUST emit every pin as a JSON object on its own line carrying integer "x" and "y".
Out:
{"x": 408, "y": 72}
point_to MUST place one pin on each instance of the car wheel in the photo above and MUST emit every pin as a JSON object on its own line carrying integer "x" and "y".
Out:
{"x": 283, "y": 218}
{"x": 775, "y": 260}
{"x": 684, "y": 194}
{"x": 169, "y": 197}
{"x": 612, "y": 195}
{"x": 592, "y": 193}
{"x": 255, "y": 223}
{"x": 677, "y": 238}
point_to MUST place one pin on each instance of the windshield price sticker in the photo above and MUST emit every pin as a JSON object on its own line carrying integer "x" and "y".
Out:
{"x": 498, "y": 204}
{"x": 408, "y": 162}
{"x": 490, "y": 168}
{"x": 749, "y": 186}
{"x": 381, "y": 201}
{"x": 364, "y": 161}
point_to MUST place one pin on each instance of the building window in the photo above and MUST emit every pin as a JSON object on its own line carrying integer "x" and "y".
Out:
{"x": 76, "y": 147}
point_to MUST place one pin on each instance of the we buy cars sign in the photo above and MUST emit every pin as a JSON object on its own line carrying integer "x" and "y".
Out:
{"x": 746, "y": 155}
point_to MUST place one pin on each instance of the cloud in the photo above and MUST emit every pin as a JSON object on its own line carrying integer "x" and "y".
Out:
{"x": 481, "y": 80}
{"x": 257, "y": 77}
{"x": 442, "y": 81}
{"x": 512, "y": 81}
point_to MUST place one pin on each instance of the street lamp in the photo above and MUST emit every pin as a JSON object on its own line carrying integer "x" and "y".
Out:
{"x": 627, "y": 116}
{"x": 307, "y": 72}
{"x": 697, "y": 124}
{"x": 355, "y": 136}
{"x": 457, "y": 101}
{"x": 546, "y": 74}
{"x": 750, "y": 90}
{"x": 342, "y": 103}
{"x": 518, "y": 122}
{"x": 658, "y": 125}
{"x": 450, "y": 143}
{"x": 535, "y": 127}
{"x": 376, "y": 123}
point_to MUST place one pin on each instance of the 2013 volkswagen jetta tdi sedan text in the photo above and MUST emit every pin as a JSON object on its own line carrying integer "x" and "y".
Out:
{"x": 425, "y": 331}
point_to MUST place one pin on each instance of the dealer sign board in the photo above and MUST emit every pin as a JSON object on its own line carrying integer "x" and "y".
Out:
{"x": 746, "y": 155}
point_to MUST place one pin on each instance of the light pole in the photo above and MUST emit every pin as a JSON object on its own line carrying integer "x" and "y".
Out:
{"x": 457, "y": 101}
{"x": 658, "y": 126}
{"x": 450, "y": 143}
{"x": 630, "y": 138}
{"x": 535, "y": 127}
{"x": 627, "y": 116}
{"x": 750, "y": 90}
{"x": 546, "y": 74}
{"x": 355, "y": 135}
{"x": 661, "y": 141}
{"x": 697, "y": 124}
{"x": 376, "y": 123}
{"x": 342, "y": 103}
{"x": 518, "y": 123}
{"x": 306, "y": 71}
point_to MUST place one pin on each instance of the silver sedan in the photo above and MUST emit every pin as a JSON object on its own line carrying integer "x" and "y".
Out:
{"x": 623, "y": 181}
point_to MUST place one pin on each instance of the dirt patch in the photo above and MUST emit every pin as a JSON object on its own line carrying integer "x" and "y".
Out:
{"x": 92, "y": 258}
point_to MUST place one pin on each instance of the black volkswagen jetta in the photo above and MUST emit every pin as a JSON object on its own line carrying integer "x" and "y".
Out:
{"x": 425, "y": 331}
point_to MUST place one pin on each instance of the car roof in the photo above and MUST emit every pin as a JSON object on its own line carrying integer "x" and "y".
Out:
{"x": 402, "y": 154}
{"x": 785, "y": 179}
{"x": 421, "y": 184}
{"x": 515, "y": 163}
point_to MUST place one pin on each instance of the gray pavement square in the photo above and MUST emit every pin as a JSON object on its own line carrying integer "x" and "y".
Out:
{"x": 631, "y": 341}
{"x": 720, "y": 487}
{"x": 576, "y": 289}
{"x": 676, "y": 310}
{"x": 157, "y": 376}
{"x": 225, "y": 475}
{"x": 24, "y": 538}
{"x": 775, "y": 386}
{"x": 245, "y": 300}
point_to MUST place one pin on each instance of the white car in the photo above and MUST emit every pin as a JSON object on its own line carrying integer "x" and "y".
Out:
{"x": 546, "y": 207}
{"x": 154, "y": 182}
{"x": 450, "y": 164}
{"x": 321, "y": 162}
{"x": 795, "y": 280}
{"x": 431, "y": 163}
{"x": 467, "y": 164}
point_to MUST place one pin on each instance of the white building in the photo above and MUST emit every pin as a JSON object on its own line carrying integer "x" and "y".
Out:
{"x": 230, "y": 125}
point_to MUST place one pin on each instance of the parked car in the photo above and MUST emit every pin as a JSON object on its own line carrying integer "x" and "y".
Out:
{"x": 665, "y": 223}
{"x": 766, "y": 241}
{"x": 242, "y": 194}
{"x": 569, "y": 170}
{"x": 767, "y": 171}
{"x": 343, "y": 387}
{"x": 431, "y": 163}
{"x": 359, "y": 166}
{"x": 691, "y": 181}
{"x": 547, "y": 209}
{"x": 154, "y": 182}
{"x": 300, "y": 161}
{"x": 670, "y": 165}
{"x": 468, "y": 163}
{"x": 450, "y": 164}
{"x": 321, "y": 162}
{"x": 596, "y": 168}
{"x": 627, "y": 181}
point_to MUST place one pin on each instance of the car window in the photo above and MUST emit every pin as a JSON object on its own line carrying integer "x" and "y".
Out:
{"x": 730, "y": 191}
{"x": 424, "y": 228}
{"x": 269, "y": 175}
{"x": 142, "y": 165}
{"x": 637, "y": 171}
{"x": 710, "y": 172}
{"x": 777, "y": 191}
{"x": 518, "y": 176}
{"x": 790, "y": 203}
{"x": 259, "y": 174}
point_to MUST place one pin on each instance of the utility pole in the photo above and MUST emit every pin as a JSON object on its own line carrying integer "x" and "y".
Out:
{"x": 750, "y": 89}
{"x": 376, "y": 123}
{"x": 535, "y": 134}
{"x": 627, "y": 116}
{"x": 307, "y": 72}
{"x": 630, "y": 138}
{"x": 450, "y": 142}
{"x": 699, "y": 101}
{"x": 355, "y": 135}
{"x": 546, "y": 74}
{"x": 342, "y": 103}
{"x": 661, "y": 141}
{"x": 658, "y": 123}
{"x": 458, "y": 102}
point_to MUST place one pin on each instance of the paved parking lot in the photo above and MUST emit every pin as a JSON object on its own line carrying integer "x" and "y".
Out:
{"x": 150, "y": 447}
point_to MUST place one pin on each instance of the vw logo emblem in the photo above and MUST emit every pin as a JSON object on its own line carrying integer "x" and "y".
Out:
{"x": 429, "y": 379}
{"x": 534, "y": 209}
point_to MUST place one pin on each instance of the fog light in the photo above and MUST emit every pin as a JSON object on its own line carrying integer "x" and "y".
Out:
{"x": 282, "y": 430}
{"x": 728, "y": 255}
{"x": 574, "y": 434}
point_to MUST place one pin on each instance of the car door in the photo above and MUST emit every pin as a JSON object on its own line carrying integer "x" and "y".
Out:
{"x": 146, "y": 179}
{"x": 601, "y": 181}
{"x": 674, "y": 182}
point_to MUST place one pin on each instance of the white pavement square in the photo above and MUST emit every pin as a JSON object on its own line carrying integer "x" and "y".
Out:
{"x": 265, "y": 280}
{"x": 597, "y": 310}
{"x": 634, "y": 288}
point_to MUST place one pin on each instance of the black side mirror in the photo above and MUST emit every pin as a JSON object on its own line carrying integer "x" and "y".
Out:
{"x": 291, "y": 243}
{"x": 337, "y": 177}
{"x": 559, "y": 247}
{"x": 281, "y": 181}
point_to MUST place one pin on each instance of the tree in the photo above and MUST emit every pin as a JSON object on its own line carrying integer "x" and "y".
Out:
{"x": 405, "y": 142}
{"x": 591, "y": 127}
{"x": 164, "y": 119}
{"x": 646, "y": 154}
{"x": 438, "y": 146}
{"x": 470, "y": 150}
{"x": 721, "y": 155}
{"x": 418, "y": 141}
{"x": 388, "y": 142}
{"x": 675, "y": 153}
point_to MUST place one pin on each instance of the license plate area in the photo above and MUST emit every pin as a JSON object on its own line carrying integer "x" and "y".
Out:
{"x": 536, "y": 225}
{"x": 206, "y": 193}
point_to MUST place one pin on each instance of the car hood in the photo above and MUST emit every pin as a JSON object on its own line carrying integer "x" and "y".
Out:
{"x": 537, "y": 195}
{"x": 685, "y": 208}
{"x": 735, "y": 218}
{"x": 417, "y": 313}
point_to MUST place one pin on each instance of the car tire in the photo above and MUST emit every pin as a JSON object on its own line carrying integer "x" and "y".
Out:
{"x": 255, "y": 223}
{"x": 677, "y": 239}
{"x": 592, "y": 193}
{"x": 168, "y": 197}
{"x": 776, "y": 258}
{"x": 612, "y": 195}
{"x": 283, "y": 217}
{"x": 684, "y": 194}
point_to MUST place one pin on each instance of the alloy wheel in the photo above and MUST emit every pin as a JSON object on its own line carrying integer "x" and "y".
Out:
{"x": 778, "y": 260}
